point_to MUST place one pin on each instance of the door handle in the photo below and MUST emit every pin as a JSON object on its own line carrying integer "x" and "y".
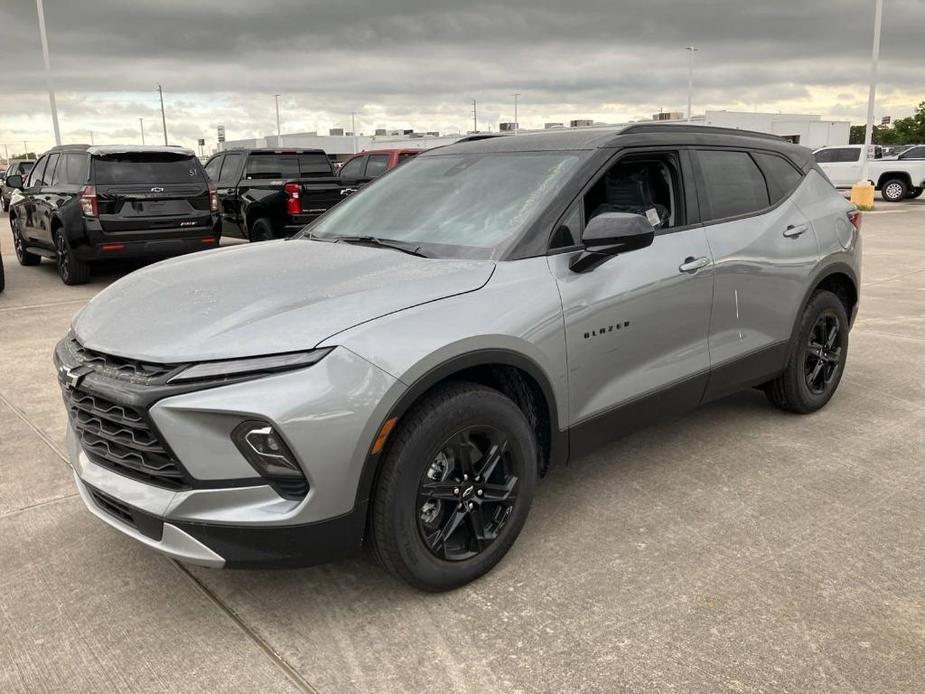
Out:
{"x": 794, "y": 231}
{"x": 692, "y": 264}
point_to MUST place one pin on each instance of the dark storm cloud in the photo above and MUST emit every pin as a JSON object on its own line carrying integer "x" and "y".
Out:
{"x": 395, "y": 57}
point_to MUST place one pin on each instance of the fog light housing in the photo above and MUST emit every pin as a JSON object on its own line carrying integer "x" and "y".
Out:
{"x": 263, "y": 447}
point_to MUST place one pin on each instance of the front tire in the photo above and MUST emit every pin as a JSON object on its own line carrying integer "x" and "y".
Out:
{"x": 5, "y": 205}
{"x": 19, "y": 246}
{"x": 71, "y": 269}
{"x": 894, "y": 190}
{"x": 817, "y": 357}
{"x": 455, "y": 487}
{"x": 914, "y": 193}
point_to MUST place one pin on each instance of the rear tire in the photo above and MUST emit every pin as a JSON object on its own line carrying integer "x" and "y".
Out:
{"x": 19, "y": 246}
{"x": 914, "y": 193}
{"x": 71, "y": 269}
{"x": 261, "y": 230}
{"x": 2, "y": 276}
{"x": 455, "y": 487}
{"x": 817, "y": 357}
{"x": 894, "y": 190}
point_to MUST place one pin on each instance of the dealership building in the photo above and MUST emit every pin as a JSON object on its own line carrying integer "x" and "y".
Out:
{"x": 807, "y": 130}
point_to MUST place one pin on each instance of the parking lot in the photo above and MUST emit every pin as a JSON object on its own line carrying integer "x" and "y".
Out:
{"x": 736, "y": 549}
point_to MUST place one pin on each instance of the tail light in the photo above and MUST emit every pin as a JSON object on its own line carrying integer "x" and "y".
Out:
{"x": 213, "y": 198}
{"x": 293, "y": 204}
{"x": 88, "y": 203}
{"x": 855, "y": 218}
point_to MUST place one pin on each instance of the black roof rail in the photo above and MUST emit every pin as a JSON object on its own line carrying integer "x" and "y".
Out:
{"x": 691, "y": 128}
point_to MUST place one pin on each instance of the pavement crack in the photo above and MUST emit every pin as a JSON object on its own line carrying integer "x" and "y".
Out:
{"x": 271, "y": 654}
{"x": 41, "y": 434}
{"x": 37, "y": 504}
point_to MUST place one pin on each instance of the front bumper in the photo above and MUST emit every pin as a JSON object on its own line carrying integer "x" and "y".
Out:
{"x": 225, "y": 514}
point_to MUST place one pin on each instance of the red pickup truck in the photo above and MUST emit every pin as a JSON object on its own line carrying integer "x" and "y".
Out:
{"x": 363, "y": 167}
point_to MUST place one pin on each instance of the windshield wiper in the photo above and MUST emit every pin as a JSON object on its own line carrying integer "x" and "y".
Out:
{"x": 409, "y": 248}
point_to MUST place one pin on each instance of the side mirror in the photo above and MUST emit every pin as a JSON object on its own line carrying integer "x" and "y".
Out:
{"x": 609, "y": 234}
{"x": 14, "y": 181}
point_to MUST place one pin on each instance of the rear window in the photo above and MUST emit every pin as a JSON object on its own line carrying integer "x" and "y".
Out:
{"x": 146, "y": 168}
{"x": 783, "y": 178}
{"x": 266, "y": 166}
{"x": 734, "y": 183}
{"x": 838, "y": 155}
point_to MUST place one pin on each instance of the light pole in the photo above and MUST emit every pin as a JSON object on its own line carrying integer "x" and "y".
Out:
{"x": 690, "y": 79}
{"x": 353, "y": 129}
{"x": 91, "y": 137}
{"x": 475, "y": 118}
{"x": 872, "y": 95}
{"x": 51, "y": 89}
{"x": 516, "y": 122}
{"x": 160, "y": 93}
{"x": 278, "y": 143}
{"x": 141, "y": 125}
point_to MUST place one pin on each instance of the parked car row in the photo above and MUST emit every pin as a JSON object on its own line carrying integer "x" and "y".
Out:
{"x": 20, "y": 167}
{"x": 402, "y": 372}
{"x": 82, "y": 203}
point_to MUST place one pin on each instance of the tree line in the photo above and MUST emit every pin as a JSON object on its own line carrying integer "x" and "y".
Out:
{"x": 905, "y": 131}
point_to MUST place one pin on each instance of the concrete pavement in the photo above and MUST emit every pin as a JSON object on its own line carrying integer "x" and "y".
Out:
{"x": 735, "y": 549}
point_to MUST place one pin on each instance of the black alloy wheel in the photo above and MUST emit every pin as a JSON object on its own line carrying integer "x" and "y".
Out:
{"x": 823, "y": 353}
{"x": 467, "y": 494}
{"x": 22, "y": 255}
{"x": 71, "y": 270}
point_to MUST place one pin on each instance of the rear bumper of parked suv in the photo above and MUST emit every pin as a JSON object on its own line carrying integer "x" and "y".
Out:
{"x": 153, "y": 242}
{"x": 168, "y": 474}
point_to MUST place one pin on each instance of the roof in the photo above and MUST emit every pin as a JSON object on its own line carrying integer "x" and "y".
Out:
{"x": 400, "y": 150}
{"x": 611, "y": 136}
{"x": 105, "y": 150}
{"x": 274, "y": 150}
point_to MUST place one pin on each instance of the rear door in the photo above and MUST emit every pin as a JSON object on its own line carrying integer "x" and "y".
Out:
{"x": 44, "y": 202}
{"x": 763, "y": 248}
{"x": 27, "y": 209}
{"x": 226, "y": 182}
{"x": 163, "y": 193}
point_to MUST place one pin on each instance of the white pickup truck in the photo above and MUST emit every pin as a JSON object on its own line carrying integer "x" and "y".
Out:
{"x": 896, "y": 178}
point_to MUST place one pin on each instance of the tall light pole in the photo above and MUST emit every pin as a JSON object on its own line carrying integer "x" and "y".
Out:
{"x": 690, "y": 79}
{"x": 353, "y": 129}
{"x": 872, "y": 95}
{"x": 141, "y": 125}
{"x": 475, "y": 118}
{"x": 516, "y": 122}
{"x": 160, "y": 93}
{"x": 278, "y": 143}
{"x": 51, "y": 89}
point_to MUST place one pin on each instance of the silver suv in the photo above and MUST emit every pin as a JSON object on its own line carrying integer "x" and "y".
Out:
{"x": 404, "y": 370}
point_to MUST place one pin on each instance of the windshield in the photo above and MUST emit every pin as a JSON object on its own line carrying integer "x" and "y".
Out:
{"x": 146, "y": 168}
{"x": 463, "y": 205}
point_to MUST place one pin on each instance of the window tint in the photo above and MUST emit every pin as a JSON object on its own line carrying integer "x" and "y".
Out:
{"x": 733, "y": 183}
{"x": 838, "y": 155}
{"x": 213, "y": 166}
{"x": 230, "y": 168}
{"x": 146, "y": 168}
{"x": 272, "y": 166}
{"x": 310, "y": 164}
{"x": 780, "y": 174}
{"x": 376, "y": 164}
{"x": 353, "y": 168}
{"x": 76, "y": 169}
{"x": 914, "y": 153}
{"x": 24, "y": 167}
{"x": 825, "y": 156}
{"x": 36, "y": 173}
{"x": 49, "y": 171}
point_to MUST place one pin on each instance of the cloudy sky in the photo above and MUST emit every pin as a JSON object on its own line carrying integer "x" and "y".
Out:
{"x": 419, "y": 63}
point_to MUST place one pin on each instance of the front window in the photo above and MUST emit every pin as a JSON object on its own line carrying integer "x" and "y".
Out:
{"x": 462, "y": 205}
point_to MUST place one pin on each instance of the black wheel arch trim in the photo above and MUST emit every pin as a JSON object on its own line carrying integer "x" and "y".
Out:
{"x": 558, "y": 443}
{"x": 823, "y": 273}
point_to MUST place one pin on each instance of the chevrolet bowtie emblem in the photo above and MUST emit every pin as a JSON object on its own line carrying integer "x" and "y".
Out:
{"x": 71, "y": 377}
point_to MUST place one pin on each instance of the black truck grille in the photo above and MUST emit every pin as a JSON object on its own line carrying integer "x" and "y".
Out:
{"x": 120, "y": 438}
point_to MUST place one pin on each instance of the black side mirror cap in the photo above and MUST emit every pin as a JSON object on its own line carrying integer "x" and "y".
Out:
{"x": 609, "y": 234}
{"x": 14, "y": 181}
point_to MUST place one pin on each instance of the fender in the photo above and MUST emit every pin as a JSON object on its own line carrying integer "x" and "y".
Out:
{"x": 558, "y": 445}
{"x": 833, "y": 268}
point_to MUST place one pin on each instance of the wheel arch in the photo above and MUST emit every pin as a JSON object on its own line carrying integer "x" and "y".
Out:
{"x": 514, "y": 374}
{"x": 841, "y": 280}
{"x": 889, "y": 175}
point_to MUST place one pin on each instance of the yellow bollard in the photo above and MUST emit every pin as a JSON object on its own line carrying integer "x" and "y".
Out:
{"x": 862, "y": 195}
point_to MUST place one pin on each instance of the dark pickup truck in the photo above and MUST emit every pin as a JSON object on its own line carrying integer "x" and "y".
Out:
{"x": 272, "y": 193}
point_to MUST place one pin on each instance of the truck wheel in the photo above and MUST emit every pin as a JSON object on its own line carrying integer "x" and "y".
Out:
{"x": 914, "y": 193}
{"x": 71, "y": 270}
{"x": 2, "y": 276}
{"x": 894, "y": 190}
{"x": 817, "y": 357}
{"x": 261, "y": 230}
{"x": 5, "y": 205}
{"x": 22, "y": 255}
{"x": 455, "y": 488}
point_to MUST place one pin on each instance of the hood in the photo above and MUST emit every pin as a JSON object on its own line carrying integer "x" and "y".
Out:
{"x": 266, "y": 298}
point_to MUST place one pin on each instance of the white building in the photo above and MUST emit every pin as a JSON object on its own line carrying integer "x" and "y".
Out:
{"x": 809, "y": 131}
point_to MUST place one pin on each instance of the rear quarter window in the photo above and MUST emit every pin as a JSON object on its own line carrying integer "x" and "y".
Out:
{"x": 146, "y": 168}
{"x": 782, "y": 177}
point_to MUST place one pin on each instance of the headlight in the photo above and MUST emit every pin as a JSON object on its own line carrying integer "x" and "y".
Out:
{"x": 269, "y": 455}
{"x": 251, "y": 365}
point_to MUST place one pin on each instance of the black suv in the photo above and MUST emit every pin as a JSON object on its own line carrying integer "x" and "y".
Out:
{"x": 82, "y": 203}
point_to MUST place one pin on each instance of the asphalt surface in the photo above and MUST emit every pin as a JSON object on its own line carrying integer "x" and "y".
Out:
{"x": 735, "y": 549}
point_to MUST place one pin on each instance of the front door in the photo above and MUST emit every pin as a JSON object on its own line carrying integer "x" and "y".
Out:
{"x": 636, "y": 326}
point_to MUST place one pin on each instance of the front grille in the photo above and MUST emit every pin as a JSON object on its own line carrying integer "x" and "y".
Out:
{"x": 119, "y": 437}
{"x": 118, "y": 368}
